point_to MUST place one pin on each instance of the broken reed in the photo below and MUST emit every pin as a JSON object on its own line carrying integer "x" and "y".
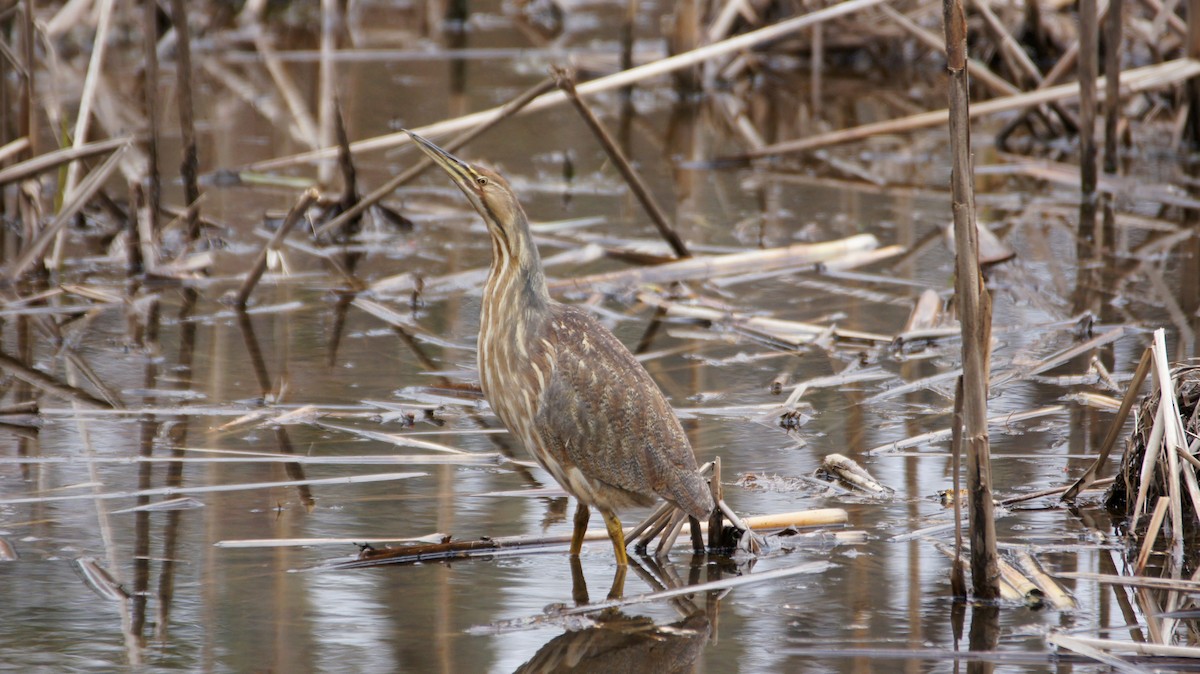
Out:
{"x": 974, "y": 312}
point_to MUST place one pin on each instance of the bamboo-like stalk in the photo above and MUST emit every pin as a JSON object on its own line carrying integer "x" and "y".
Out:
{"x": 1013, "y": 576}
{"x": 1053, "y": 592}
{"x": 974, "y": 311}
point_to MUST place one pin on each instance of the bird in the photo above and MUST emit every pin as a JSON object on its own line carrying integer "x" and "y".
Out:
{"x": 564, "y": 385}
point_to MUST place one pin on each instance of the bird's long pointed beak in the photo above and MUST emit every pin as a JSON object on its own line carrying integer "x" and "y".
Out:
{"x": 458, "y": 169}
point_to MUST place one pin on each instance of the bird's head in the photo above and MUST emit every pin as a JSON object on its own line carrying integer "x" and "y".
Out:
{"x": 487, "y": 191}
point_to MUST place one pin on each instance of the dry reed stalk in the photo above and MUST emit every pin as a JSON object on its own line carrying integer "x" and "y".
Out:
{"x": 974, "y": 312}
{"x": 82, "y": 194}
{"x": 13, "y": 148}
{"x": 1112, "y": 82}
{"x": 1134, "y": 80}
{"x": 1053, "y": 592}
{"x": 153, "y": 195}
{"x": 266, "y": 106}
{"x": 998, "y": 85}
{"x": 327, "y": 89}
{"x": 1152, "y": 531}
{"x": 958, "y": 581}
{"x": 658, "y": 522}
{"x": 1013, "y": 54}
{"x": 241, "y": 486}
{"x": 503, "y": 112}
{"x": 52, "y": 160}
{"x": 1192, "y": 91}
{"x": 946, "y": 433}
{"x": 1088, "y": 49}
{"x": 1114, "y": 428}
{"x": 187, "y": 125}
{"x": 292, "y": 98}
{"x": 715, "y": 523}
{"x": 796, "y": 255}
{"x": 790, "y": 332}
{"x": 566, "y": 83}
{"x": 1014, "y": 577}
{"x": 1143, "y": 648}
{"x": 1089, "y": 650}
{"x": 50, "y": 385}
{"x": 28, "y": 126}
{"x": 87, "y": 99}
{"x": 298, "y": 211}
{"x": 615, "y": 81}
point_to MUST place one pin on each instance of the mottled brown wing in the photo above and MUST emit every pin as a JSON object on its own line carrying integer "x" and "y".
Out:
{"x": 603, "y": 413}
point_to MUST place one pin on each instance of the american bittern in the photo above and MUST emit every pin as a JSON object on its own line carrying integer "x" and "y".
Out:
{"x": 571, "y": 392}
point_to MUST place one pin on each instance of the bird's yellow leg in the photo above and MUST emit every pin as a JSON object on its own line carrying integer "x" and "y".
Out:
{"x": 582, "y": 515}
{"x": 617, "y": 534}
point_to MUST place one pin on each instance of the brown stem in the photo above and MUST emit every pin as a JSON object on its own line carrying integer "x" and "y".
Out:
{"x": 260, "y": 262}
{"x": 566, "y": 82}
{"x": 187, "y": 124}
{"x": 974, "y": 314}
{"x": 1087, "y": 97}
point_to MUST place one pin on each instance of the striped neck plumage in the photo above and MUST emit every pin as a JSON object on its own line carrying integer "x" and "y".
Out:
{"x": 516, "y": 272}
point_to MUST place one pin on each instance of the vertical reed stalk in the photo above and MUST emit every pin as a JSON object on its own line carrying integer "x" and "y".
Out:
{"x": 1088, "y": 40}
{"x": 187, "y": 124}
{"x": 150, "y": 92}
{"x": 1112, "y": 83}
{"x": 973, "y": 311}
{"x": 1193, "y": 85}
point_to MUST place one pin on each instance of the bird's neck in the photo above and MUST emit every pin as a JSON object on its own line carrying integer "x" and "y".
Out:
{"x": 516, "y": 280}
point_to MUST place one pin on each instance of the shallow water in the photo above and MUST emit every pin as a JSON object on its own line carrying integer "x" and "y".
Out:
{"x": 196, "y": 605}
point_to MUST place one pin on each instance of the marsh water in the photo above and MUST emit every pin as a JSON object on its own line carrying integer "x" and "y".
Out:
{"x": 209, "y": 388}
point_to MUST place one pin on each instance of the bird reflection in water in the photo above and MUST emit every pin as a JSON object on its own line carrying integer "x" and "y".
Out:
{"x": 619, "y": 642}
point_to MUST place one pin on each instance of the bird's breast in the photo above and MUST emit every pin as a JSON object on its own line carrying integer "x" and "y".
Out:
{"x": 514, "y": 367}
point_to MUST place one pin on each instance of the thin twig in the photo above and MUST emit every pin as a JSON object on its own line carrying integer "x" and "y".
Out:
{"x": 566, "y": 82}
{"x": 260, "y": 262}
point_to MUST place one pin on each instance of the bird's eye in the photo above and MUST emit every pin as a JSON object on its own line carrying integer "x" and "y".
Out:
{"x": 482, "y": 181}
